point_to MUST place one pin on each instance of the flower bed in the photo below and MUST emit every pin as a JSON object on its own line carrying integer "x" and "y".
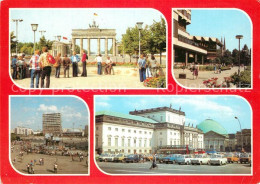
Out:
{"x": 155, "y": 82}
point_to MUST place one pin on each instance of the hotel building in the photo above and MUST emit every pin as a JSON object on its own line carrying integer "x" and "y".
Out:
{"x": 145, "y": 131}
{"x": 51, "y": 124}
{"x": 188, "y": 48}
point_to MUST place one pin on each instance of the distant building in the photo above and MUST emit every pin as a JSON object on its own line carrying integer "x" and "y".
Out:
{"x": 51, "y": 124}
{"x": 86, "y": 131}
{"x": 245, "y": 137}
{"x": 23, "y": 131}
{"x": 232, "y": 142}
{"x": 70, "y": 132}
{"x": 188, "y": 48}
{"x": 153, "y": 130}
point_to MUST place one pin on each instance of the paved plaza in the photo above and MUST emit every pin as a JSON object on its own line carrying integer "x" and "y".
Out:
{"x": 203, "y": 75}
{"x": 91, "y": 81}
{"x": 65, "y": 163}
{"x": 143, "y": 168}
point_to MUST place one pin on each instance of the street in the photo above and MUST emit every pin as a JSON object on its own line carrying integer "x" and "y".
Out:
{"x": 143, "y": 168}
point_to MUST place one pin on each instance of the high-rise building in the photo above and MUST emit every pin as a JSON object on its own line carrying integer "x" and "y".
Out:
{"x": 188, "y": 48}
{"x": 51, "y": 124}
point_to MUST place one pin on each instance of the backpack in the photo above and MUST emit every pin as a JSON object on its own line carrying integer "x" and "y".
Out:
{"x": 50, "y": 59}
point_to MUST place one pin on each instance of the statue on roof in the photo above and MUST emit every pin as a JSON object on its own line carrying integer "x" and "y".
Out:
{"x": 94, "y": 25}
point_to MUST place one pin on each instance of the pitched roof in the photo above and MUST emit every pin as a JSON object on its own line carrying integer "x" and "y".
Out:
{"x": 125, "y": 116}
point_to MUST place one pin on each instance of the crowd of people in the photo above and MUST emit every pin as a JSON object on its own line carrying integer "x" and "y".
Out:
{"x": 147, "y": 67}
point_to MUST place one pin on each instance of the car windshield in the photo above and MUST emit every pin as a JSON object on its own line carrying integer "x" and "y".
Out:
{"x": 104, "y": 155}
{"x": 216, "y": 156}
{"x": 198, "y": 156}
{"x": 244, "y": 155}
{"x": 120, "y": 155}
{"x": 229, "y": 155}
{"x": 131, "y": 155}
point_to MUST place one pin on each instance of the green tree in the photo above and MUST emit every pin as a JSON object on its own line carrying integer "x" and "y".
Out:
{"x": 157, "y": 42}
{"x": 245, "y": 56}
{"x": 13, "y": 42}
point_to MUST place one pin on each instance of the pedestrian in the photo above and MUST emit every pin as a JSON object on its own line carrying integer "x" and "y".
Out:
{"x": 66, "y": 66}
{"x": 57, "y": 65}
{"x": 108, "y": 66}
{"x": 55, "y": 167}
{"x": 35, "y": 161}
{"x": 25, "y": 66}
{"x": 35, "y": 69}
{"x": 84, "y": 63}
{"x": 98, "y": 59}
{"x": 20, "y": 64}
{"x": 148, "y": 67}
{"x": 196, "y": 70}
{"x": 141, "y": 63}
{"x": 75, "y": 59}
{"x": 154, "y": 165}
{"x": 42, "y": 161}
{"x": 14, "y": 67}
{"x": 28, "y": 168}
{"x": 46, "y": 67}
{"x": 153, "y": 66}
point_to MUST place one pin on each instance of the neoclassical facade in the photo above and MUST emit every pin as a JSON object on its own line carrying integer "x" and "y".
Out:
{"x": 144, "y": 131}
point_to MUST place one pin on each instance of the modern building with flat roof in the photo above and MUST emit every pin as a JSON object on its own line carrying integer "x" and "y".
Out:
{"x": 189, "y": 48}
{"x": 51, "y": 124}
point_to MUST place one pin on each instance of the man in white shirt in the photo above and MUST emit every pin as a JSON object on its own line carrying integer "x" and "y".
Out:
{"x": 98, "y": 59}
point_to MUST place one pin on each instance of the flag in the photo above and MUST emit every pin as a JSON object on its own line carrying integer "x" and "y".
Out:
{"x": 64, "y": 38}
{"x": 95, "y": 14}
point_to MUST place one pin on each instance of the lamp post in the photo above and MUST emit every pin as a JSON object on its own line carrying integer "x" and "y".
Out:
{"x": 58, "y": 37}
{"x": 239, "y": 37}
{"x": 34, "y": 28}
{"x": 139, "y": 25}
{"x": 16, "y": 35}
{"x": 241, "y": 132}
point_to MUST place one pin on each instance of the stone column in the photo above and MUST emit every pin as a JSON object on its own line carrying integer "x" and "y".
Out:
{"x": 88, "y": 46}
{"x": 186, "y": 58}
{"x": 98, "y": 45}
{"x": 114, "y": 46}
{"x": 106, "y": 46}
{"x": 202, "y": 59}
{"x": 196, "y": 57}
{"x": 81, "y": 44}
{"x": 73, "y": 44}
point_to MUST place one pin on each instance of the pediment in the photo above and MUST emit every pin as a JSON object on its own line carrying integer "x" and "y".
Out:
{"x": 212, "y": 134}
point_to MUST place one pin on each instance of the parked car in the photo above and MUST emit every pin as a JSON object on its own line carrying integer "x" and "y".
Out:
{"x": 245, "y": 158}
{"x": 231, "y": 158}
{"x": 170, "y": 158}
{"x": 200, "y": 159}
{"x": 103, "y": 157}
{"x": 132, "y": 158}
{"x": 149, "y": 157}
{"x": 160, "y": 157}
{"x": 120, "y": 158}
{"x": 111, "y": 157}
{"x": 218, "y": 160}
{"x": 183, "y": 159}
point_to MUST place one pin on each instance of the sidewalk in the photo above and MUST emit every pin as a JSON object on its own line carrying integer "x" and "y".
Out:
{"x": 203, "y": 75}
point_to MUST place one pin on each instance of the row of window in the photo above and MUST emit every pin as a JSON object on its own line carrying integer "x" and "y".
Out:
{"x": 129, "y": 151}
{"x": 129, "y": 142}
{"x": 129, "y": 130}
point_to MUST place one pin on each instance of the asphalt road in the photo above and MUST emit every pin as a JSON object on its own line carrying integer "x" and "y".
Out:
{"x": 143, "y": 168}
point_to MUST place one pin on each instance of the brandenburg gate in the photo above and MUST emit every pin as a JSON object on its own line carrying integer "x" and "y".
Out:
{"x": 93, "y": 32}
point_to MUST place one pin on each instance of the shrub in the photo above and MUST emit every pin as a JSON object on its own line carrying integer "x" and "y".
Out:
{"x": 242, "y": 81}
{"x": 155, "y": 82}
{"x": 206, "y": 68}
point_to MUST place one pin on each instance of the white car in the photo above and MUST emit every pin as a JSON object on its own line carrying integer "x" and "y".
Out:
{"x": 218, "y": 160}
{"x": 200, "y": 159}
{"x": 103, "y": 157}
{"x": 183, "y": 159}
{"x": 111, "y": 158}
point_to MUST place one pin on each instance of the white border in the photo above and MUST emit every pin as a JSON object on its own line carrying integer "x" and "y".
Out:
{"x": 161, "y": 174}
{"x": 87, "y": 8}
{"x": 237, "y": 9}
{"x": 51, "y": 96}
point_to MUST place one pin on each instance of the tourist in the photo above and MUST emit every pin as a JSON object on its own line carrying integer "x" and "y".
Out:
{"x": 196, "y": 70}
{"x": 84, "y": 63}
{"x": 75, "y": 59}
{"x": 57, "y": 65}
{"x": 24, "y": 67}
{"x": 14, "y": 66}
{"x": 141, "y": 64}
{"x": 66, "y": 65}
{"x": 46, "y": 67}
{"x": 55, "y": 167}
{"x": 108, "y": 66}
{"x": 148, "y": 67}
{"x": 215, "y": 68}
{"x": 154, "y": 165}
{"x": 28, "y": 168}
{"x": 20, "y": 64}
{"x": 35, "y": 69}
{"x": 153, "y": 63}
{"x": 98, "y": 59}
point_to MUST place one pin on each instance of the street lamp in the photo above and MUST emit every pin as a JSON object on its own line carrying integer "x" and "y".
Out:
{"x": 42, "y": 32}
{"x": 59, "y": 37}
{"x": 139, "y": 25}
{"x": 16, "y": 21}
{"x": 239, "y": 37}
{"x": 241, "y": 132}
{"x": 34, "y": 28}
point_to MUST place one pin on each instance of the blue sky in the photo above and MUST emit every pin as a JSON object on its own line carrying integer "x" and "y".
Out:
{"x": 61, "y": 21}
{"x": 27, "y": 111}
{"x": 221, "y": 23}
{"x": 222, "y": 109}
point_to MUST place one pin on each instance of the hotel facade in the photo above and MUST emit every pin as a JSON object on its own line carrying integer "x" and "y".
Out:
{"x": 145, "y": 131}
{"x": 188, "y": 48}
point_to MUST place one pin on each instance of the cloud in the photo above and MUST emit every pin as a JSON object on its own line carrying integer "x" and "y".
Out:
{"x": 44, "y": 108}
{"x": 102, "y": 104}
